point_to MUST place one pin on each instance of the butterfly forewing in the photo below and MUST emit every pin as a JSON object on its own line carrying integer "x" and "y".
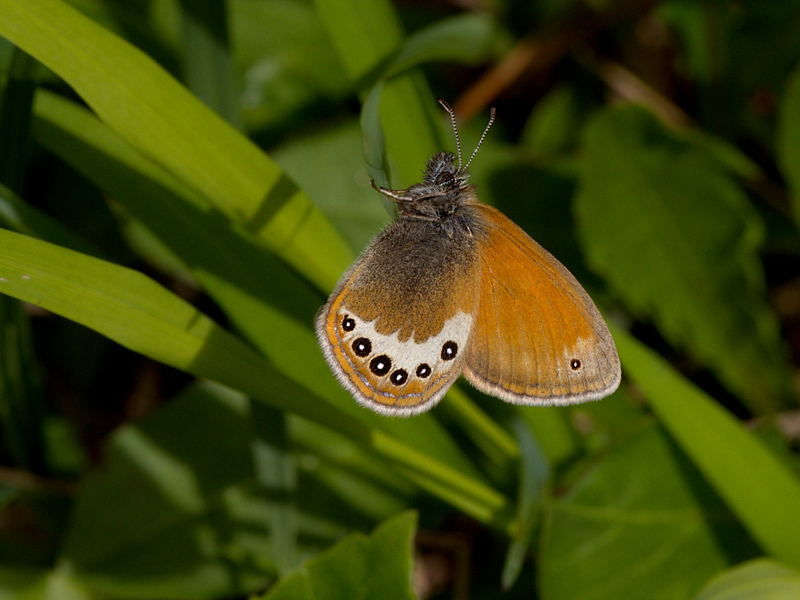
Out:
{"x": 538, "y": 338}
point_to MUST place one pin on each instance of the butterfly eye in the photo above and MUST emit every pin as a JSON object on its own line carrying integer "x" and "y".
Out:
{"x": 444, "y": 177}
{"x": 449, "y": 350}
{"x": 575, "y": 364}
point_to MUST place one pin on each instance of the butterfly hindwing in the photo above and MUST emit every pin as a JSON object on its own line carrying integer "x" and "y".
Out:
{"x": 396, "y": 329}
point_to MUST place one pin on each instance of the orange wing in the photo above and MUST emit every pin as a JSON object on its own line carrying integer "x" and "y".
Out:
{"x": 538, "y": 338}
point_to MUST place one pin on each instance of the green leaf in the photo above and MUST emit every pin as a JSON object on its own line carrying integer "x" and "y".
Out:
{"x": 207, "y": 56}
{"x": 365, "y": 36}
{"x": 533, "y": 479}
{"x": 757, "y": 487}
{"x": 22, "y": 409}
{"x": 15, "y": 116}
{"x": 124, "y": 305}
{"x": 467, "y": 38}
{"x": 376, "y": 567}
{"x": 156, "y": 115}
{"x": 175, "y": 512}
{"x": 199, "y": 500}
{"x": 677, "y": 238}
{"x": 554, "y": 124}
{"x": 329, "y": 165}
{"x": 285, "y": 63}
{"x": 640, "y": 524}
{"x": 363, "y": 33}
{"x": 789, "y": 139}
{"x": 760, "y": 579}
{"x": 30, "y": 584}
{"x": 374, "y": 141}
{"x": 19, "y": 216}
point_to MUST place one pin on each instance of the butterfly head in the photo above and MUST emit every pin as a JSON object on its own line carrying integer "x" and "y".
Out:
{"x": 439, "y": 195}
{"x": 444, "y": 187}
{"x": 442, "y": 173}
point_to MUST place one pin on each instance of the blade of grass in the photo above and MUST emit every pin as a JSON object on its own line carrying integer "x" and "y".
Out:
{"x": 158, "y": 116}
{"x": 365, "y": 36}
{"x": 207, "y": 57}
{"x": 534, "y": 477}
{"x": 19, "y": 216}
{"x": 754, "y": 483}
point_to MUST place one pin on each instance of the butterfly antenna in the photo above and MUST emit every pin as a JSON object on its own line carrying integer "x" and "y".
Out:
{"x": 485, "y": 131}
{"x": 452, "y": 114}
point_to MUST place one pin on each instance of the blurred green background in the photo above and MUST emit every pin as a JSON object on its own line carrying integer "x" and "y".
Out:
{"x": 183, "y": 182}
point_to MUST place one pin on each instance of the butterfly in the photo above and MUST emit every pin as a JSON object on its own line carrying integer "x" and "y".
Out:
{"x": 455, "y": 287}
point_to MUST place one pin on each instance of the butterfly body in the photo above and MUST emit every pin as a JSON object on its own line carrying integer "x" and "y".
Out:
{"x": 454, "y": 287}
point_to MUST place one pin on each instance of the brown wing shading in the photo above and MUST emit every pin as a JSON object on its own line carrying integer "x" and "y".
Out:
{"x": 538, "y": 338}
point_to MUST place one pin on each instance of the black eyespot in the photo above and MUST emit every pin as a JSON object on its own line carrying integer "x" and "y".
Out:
{"x": 348, "y": 323}
{"x": 423, "y": 370}
{"x": 380, "y": 365}
{"x": 575, "y": 364}
{"x": 362, "y": 347}
{"x": 399, "y": 377}
{"x": 449, "y": 350}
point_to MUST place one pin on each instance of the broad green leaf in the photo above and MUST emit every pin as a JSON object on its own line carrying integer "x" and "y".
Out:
{"x": 757, "y": 487}
{"x": 375, "y": 567}
{"x": 127, "y": 307}
{"x": 175, "y": 511}
{"x": 467, "y": 38}
{"x": 789, "y": 139}
{"x": 676, "y": 237}
{"x": 329, "y": 165}
{"x": 285, "y": 62}
{"x": 640, "y": 525}
{"x": 550, "y": 427}
{"x": 156, "y": 115}
{"x": 604, "y": 425}
{"x": 199, "y": 500}
{"x": 363, "y": 33}
{"x": 760, "y": 579}
{"x": 554, "y": 123}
